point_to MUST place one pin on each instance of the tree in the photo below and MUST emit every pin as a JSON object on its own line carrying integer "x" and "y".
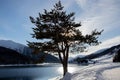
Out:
{"x": 116, "y": 58}
{"x": 59, "y": 30}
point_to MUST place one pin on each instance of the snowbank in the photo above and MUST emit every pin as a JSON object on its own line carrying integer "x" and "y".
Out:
{"x": 96, "y": 72}
{"x": 112, "y": 74}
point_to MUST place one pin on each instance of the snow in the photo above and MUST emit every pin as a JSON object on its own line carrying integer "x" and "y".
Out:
{"x": 105, "y": 69}
{"x": 13, "y": 45}
{"x": 71, "y": 59}
{"x": 10, "y": 44}
{"x": 112, "y": 74}
{"x": 96, "y": 72}
{"x": 106, "y": 59}
{"x": 68, "y": 76}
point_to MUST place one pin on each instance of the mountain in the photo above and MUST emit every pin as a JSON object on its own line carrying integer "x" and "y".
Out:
{"x": 110, "y": 52}
{"x": 9, "y": 56}
{"x": 48, "y": 58}
{"x": 97, "y": 54}
{"x": 26, "y": 51}
{"x": 15, "y": 46}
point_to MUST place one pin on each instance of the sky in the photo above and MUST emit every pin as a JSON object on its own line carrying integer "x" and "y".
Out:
{"x": 93, "y": 14}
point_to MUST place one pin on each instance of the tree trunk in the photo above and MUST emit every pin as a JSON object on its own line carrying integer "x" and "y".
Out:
{"x": 65, "y": 68}
{"x": 64, "y": 59}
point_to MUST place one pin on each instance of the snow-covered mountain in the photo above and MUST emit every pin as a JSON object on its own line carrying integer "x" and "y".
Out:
{"x": 26, "y": 51}
{"x": 15, "y": 46}
{"x": 110, "y": 52}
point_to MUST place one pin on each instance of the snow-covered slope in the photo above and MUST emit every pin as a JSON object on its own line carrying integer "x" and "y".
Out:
{"x": 98, "y": 54}
{"x": 15, "y": 46}
{"x": 96, "y": 72}
{"x": 105, "y": 69}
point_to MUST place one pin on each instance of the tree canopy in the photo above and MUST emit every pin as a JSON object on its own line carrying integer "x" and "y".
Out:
{"x": 61, "y": 33}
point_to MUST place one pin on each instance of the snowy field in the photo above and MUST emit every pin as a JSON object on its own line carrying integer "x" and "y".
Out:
{"x": 105, "y": 69}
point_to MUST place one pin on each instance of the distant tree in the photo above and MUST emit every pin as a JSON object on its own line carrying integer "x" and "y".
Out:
{"x": 117, "y": 56}
{"x": 60, "y": 34}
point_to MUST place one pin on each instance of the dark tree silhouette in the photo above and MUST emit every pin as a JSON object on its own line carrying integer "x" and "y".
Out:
{"x": 60, "y": 33}
{"x": 116, "y": 58}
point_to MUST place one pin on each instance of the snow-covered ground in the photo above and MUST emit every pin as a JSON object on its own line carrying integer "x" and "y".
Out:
{"x": 112, "y": 74}
{"x": 105, "y": 69}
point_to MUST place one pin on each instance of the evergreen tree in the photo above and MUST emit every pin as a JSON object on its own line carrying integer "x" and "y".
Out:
{"x": 116, "y": 58}
{"x": 61, "y": 34}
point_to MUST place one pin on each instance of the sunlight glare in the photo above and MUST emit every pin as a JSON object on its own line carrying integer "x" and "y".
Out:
{"x": 70, "y": 69}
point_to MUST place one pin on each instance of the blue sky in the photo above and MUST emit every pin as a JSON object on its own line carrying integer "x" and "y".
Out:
{"x": 93, "y": 14}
